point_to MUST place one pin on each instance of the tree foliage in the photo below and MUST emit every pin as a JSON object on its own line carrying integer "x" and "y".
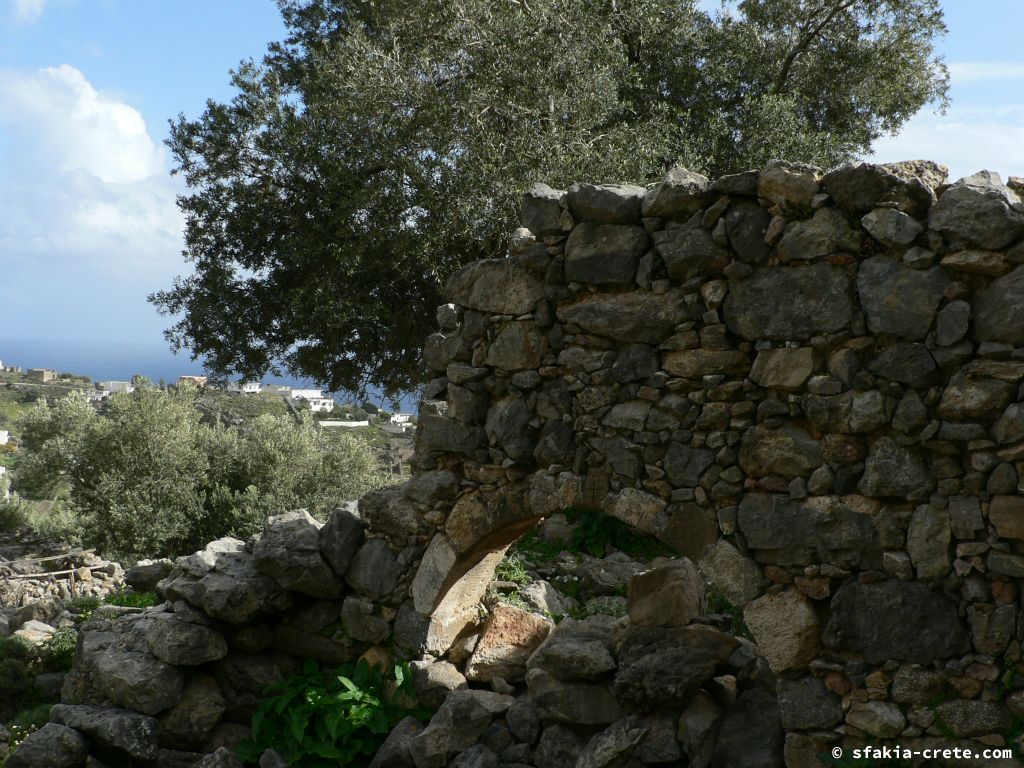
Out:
{"x": 382, "y": 145}
{"x": 147, "y": 478}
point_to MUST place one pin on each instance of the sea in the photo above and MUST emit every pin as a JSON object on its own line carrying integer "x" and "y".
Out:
{"x": 102, "y": 360}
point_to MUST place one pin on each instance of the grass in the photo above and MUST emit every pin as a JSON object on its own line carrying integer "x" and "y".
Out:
{"x": 129, "y": 599}
{"x": 512, "y": 568}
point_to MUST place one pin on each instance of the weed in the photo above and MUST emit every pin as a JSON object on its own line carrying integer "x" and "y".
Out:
{"x": 28, "y": 721}
{"x": 513, "y": 599}
{"x": 82, "y": 607}
{"x": 512, "y": 568}
{"x": 329, "y": 718}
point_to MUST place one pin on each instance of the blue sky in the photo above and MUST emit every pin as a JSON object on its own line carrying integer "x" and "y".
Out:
{"x": 88, "y": 224}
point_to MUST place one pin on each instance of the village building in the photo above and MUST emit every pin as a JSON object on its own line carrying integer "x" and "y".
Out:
{"x": 41, "y": 375}
{"x": 115, "y": 386}
{"x": 245, "y": 387}
{"x": 305, "y": 394}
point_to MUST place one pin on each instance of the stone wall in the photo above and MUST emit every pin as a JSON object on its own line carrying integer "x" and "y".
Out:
{"x": 805, "y": 383}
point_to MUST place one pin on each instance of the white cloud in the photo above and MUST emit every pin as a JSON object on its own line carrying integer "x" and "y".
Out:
{"x": 83, "y": 182}
{"x": 962, "y": 72}
{"x": 966, "y": 140}
{"x": 28, "y": 11}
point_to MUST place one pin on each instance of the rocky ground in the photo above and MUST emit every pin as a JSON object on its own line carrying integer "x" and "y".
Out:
{"x": 41, "y": 607}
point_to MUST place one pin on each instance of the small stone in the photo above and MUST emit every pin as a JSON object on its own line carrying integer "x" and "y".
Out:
{"x": 877, "y": 718}
{"x": 891, "y": 227}
{"x": 784, "y": 369}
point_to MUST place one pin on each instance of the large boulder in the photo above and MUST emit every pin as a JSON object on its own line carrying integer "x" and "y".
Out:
{"x": 687, "y": 248}
{"x": 222, "y": 580}
{"x": 788, "y": 451}
{"x": 341, "y": 538}
{"x": 374, "y": 571}
{"x": 52, "y": 746}
{"x": 182, "y": 643}
{"x": 896, "y": 620}
{"x": 575, "y": 652}
{"x": 541, "y": 210}
{"x": 789, "y": 303}
{"x": 188, "y": 724}
{"x": 907, "y": 363}
{"x": 825, "y": 233}
{"x": 518, "y": 346}
{"x": 750, "y": 735}
{"x": 893, "y": 470}
{"x": 137, "y": 681}
{"x": 499, "y": 286}
{"x": 671, "y": 594}
{"x": 785, "y": 627}
{"x": 859, "y": 187}
{"x": 663, "y": 667}
{"x": 737, "y": 578}
{"x": 898, "y": 300}
{"x": 606, "y": 203}
{"x": 604, "y": 254}
{"x": 461, "y": 720}
{"x": 979, "y": 211}
{"x": 682, "y": 191}
{"x": 838, "y": 530}
{"x": 999, "y": 310}
{"x": 634, "y": 316}
{"x": 507, "y": 642}
{"x": 478, "y": 514}
{"x": 127, "y": 734}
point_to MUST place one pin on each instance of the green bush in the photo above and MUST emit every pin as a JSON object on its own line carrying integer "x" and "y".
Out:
{"x": 12, "y": 513}
{"x": 58, "y": 653}
{"x": 596, "y": 531}
{"x": 128, "y": 599}
{"x": 147, "y": 477}
{"x": 331, "y": 718}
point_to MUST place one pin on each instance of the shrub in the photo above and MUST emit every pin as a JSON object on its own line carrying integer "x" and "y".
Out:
{"x": 331, "y": 718}
{"x": 28, "y": 721}
{"x": 12, "y": 513}
{"x": 58, "y": 653}
{"x": 147, "y": 477}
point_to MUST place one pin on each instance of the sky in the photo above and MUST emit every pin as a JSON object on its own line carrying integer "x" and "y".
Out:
{"x": 88, "y": 221}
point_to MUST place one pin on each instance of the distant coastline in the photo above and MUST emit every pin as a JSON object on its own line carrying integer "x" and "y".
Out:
{"x": 102, "y": 360}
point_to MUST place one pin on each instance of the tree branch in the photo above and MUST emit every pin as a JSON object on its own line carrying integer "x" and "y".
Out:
{"x": 804, "y": 43}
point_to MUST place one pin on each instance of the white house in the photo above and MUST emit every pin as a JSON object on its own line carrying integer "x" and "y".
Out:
{"x": 116, "y": 386}
{"x": 4, "y": 436}
{"x": 246, "y": 387}
{"x": 306, "y": 394}
{"x": 320, "y": 404}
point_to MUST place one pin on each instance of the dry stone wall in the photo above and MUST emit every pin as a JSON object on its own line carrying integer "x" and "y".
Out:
{"x": 806, "y": 383}
{"x": 809, "y": 383}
